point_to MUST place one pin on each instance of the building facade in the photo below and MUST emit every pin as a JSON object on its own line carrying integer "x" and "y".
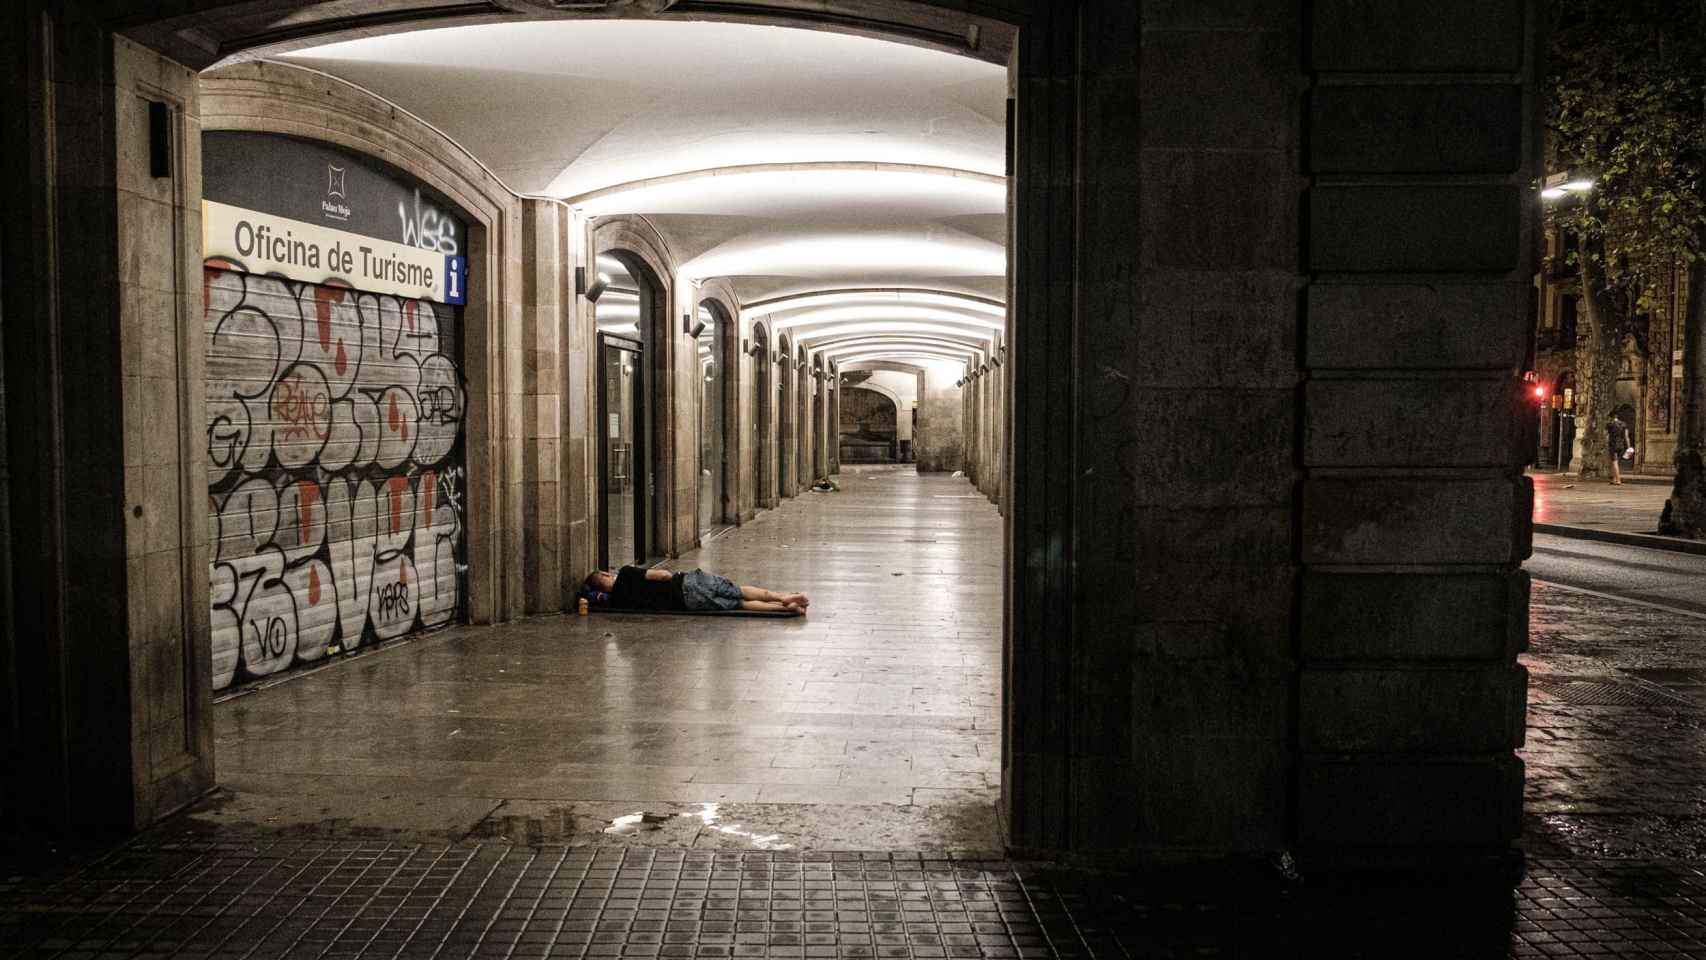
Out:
{"x": 1261, "y": 455}
{"x": 1649, "y": 382}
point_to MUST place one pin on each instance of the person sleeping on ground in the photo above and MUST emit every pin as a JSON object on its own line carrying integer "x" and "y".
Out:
{"x": 637, "y": 588}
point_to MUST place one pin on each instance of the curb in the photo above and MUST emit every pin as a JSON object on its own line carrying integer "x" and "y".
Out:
{"x": 1651, "y": 541}
{"x": 1638, "y": 479}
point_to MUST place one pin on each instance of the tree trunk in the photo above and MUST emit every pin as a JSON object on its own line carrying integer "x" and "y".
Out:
{"x": 1599, "y": 364}
{"x": 1685, "y": 513}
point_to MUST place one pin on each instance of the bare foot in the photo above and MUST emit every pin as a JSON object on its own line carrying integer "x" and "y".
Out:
{"x": 797, "y": 599}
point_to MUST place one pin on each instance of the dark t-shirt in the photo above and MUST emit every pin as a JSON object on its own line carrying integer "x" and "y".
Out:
{"x": 633, "y": 591}
{"x": 1618, "y": 436}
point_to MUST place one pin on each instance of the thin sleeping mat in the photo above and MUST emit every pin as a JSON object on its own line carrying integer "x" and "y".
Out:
{"x": 772, "y": 614}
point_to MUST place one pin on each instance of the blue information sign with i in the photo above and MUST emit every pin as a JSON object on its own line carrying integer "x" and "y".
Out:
{"x": 456, "y": 280}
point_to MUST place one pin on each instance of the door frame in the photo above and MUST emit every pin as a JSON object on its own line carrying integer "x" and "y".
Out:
{"x": 638, "y": 459}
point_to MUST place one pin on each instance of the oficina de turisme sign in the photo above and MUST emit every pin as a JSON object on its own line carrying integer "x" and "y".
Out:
{"x": 311, "y": 212}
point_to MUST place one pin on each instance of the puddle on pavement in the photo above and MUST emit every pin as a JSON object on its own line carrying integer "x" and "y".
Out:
{"x": 707, "y": 817}
{"x": 689, "y": 825}
{"x": 1667, "y": 674}
{"x": 637, "y": 822}
{"x": 967, "y": 825}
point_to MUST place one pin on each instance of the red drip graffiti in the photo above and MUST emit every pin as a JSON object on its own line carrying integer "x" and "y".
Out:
{"x": 395, "y": 420}
{"x": 306, "y": 493}
{"x": 399, "y": 486}
{"x": 324, "y": 299}
{"x": 324, "y": 357}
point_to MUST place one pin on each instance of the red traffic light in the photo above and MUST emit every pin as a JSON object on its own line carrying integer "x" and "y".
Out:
{"x": 1540, "y": 393}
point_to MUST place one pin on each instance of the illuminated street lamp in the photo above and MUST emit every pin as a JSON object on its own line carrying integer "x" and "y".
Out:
{"x": 1563, "y": 184}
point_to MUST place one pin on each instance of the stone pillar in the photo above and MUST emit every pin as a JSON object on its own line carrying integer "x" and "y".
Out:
{"x": 1077, "y": 615}
{"x": 835, "y": 424}
{"x": 939, "y": 444}
{"x": 787, "y": 423}
{"x": 968, "y": 418}
{"x": 104, "y": 399}
{"x": 807, "y": 410}
{"x": 991, "y": 430}
{"x": 747, "y": 425}
{"x": 1415, "y": 510}
{"x": 1226, "y": 633}
{"x": 10, "y": 731}
{"x": 544, "y": 260}
{"x": 579, "y": 412}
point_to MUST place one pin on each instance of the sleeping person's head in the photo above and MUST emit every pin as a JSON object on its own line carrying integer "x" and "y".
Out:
{"x": 597, "y": 586}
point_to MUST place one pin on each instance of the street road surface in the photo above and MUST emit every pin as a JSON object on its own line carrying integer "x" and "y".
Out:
{"x": 1639, "y": 573}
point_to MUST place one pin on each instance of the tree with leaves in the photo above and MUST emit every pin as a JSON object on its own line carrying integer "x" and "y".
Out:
{"x": 1627, "y": 108}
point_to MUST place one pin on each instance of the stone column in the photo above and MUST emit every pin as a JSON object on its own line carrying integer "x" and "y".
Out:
{"x": 579, "y": 412}
{"x": 939, "y": 444}
{"x": 1415, "y": 510}
{"x": 1264, "y": 591}
{"x": 835, "y": 424}
{"x": 787, "y": 423}
{"x": 544, "y": 260}
{"x": 105, "y": 400}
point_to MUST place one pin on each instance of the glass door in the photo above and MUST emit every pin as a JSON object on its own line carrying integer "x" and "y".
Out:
{"x": 622, "y": 481}
{"x": 710, "y": 422}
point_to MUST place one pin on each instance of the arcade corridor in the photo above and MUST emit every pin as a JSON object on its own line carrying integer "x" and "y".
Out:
{"x": 1237, "y": 562}
{"x": 887, "y": 694}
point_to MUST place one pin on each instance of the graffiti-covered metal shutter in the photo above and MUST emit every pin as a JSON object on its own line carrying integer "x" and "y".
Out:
{"x": 336, "y": 469}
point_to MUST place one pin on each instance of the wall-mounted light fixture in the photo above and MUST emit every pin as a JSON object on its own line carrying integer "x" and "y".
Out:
{"x": 691, "y": 327}
{"x": 959, "y": 383}
{"x": 599, "y": 284}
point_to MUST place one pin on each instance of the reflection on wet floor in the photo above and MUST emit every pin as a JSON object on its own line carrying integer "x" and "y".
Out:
{"x": 886, "y": 696}
{"x": 707, "y": 817}
{"x": 367, "y": 861}
{"x": 1616, "y": 729}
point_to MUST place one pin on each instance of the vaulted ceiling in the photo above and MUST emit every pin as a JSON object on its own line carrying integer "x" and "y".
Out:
{"x": 796, "y": 164}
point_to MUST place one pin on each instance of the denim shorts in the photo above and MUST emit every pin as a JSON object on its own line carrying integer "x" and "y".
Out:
{"x": 707, "y": 591}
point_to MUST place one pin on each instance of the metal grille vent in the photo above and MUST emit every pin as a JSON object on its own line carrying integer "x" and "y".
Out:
{"x": 1606, "y": 692}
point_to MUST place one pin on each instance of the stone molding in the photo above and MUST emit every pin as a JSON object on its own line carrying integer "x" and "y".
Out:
{"x": 735, "y": 367}
{"x": 673, "y": 515}
{"x": 277, "y": 98}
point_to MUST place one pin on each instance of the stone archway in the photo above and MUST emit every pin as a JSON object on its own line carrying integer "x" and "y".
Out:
{"x": 1233, "y": 610}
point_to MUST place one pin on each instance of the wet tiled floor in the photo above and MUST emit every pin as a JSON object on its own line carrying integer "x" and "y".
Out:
{"x": 297, "y": 895}
{"x": 886, "y": 696}
{"x": 615, "y": 788}
{"x": 1616, "y": 743}
{"x": 1633, "y": 507}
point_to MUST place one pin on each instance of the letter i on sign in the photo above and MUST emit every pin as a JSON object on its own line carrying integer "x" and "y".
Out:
{"x": 455, "y": 280}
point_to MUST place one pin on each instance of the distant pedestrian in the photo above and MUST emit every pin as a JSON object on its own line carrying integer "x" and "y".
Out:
{"x": 1617, "y": 435}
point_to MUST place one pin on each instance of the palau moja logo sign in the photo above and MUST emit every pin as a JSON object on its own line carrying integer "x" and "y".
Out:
{"x": 335, "y": 190}
{"x": 264, "y": 243}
